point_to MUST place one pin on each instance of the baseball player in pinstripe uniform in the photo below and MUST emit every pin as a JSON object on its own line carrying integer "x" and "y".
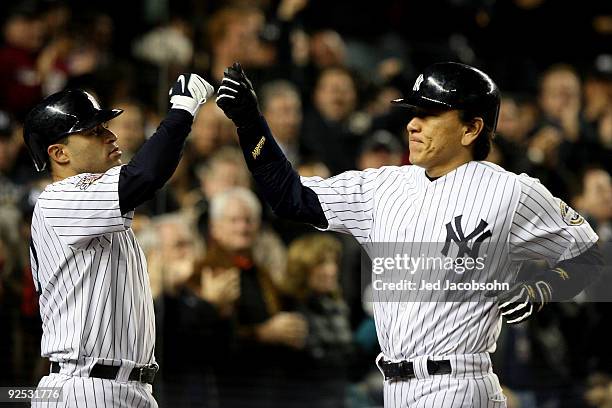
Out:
{"x": 88, "y": 268}
{"x": 434, "y": 354}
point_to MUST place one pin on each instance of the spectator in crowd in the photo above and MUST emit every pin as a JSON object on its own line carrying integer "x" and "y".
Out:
{"x": 284, "y": 32}
{"x": 56, "y": 17}
{"x": 9, "y": 190}
{"x": 510, "y": 139}
{"x": 210, "y": 131}
{"x": 560, "y": 99}
{"x": 32, "y": 365}
{"x": 544, "y": 160}
{"x": 597, "y": 90}
{"x": 309, "y": 168}
{"x": 173, "y": 252}
{"x": 233, "y": 35}
{"x": 604, "y": 152}
{"x": 15, "y": 163}
{"x": 264, "y": 332}
{"x": 20, "y": 78}
{"x": 171, "y": 260}
{"x": 131, "y": 126}
{"x": 599, "y": 392}
{"x": 169, "y": 44}
{"x": 196, "y": 316}
{"x": 379, "y": 149}
{"x": 326, "y": 133}
{"x": 181, "y": 185}
{"x": 594, "y": 201}
{"x": 379, "y": 104}
{"x": 368, "y": 387}
{"x": 9, "y": 287}
{"x": 195, "y": 333}
{"x": 224, "y": 170}
{"x": 598, "y": 109}
{"x": 327, "y": 49}
{"x": 281, "y": 103}
{"x": 94, "y": 51}
{"x": 92, "y": 62}
{"x": 320, "y": 372}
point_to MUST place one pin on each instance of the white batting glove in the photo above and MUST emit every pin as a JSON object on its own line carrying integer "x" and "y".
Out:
{"x": 189, "y": 92}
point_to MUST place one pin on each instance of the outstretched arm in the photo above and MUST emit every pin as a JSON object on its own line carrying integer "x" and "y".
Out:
{"x": 279, "y": 182}
{"x": 157, "y": 159}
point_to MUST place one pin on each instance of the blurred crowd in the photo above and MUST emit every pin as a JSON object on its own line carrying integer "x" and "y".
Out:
{"x": 257, "y": 311}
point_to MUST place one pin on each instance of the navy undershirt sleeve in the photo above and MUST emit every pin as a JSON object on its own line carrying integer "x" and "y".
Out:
{"x": 279, "y": 183}
{"x": 571, "y": 276}
{"x": 155, "y": 161}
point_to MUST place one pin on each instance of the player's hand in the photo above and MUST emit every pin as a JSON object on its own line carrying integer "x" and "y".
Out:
{"x": 189, "y": 92}
{"x": 237, "y": 98}
{"x": 522, "y": 300}
{"x": 285, "y": 328}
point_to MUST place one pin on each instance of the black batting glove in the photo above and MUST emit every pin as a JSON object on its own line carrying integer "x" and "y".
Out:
{"x": 522, "y": 300}
{"x": 237, "y": 98}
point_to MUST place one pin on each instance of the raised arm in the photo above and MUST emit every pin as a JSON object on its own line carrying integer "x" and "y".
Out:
{"x": 158, "y": 158}
{"x": 279, "y": 182}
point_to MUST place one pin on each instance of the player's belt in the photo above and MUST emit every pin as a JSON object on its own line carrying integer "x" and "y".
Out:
{"x": 145, "y": 374}
{"x": 404, "y": 370}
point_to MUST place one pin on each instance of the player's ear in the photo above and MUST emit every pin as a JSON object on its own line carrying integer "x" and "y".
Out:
{"x": 471, "y": 130}
{"x": 58, "y": 153}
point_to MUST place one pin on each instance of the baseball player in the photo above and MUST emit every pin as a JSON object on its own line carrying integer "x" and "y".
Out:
{"x": 434, "y": 354}
{"x": 88, "y": 268}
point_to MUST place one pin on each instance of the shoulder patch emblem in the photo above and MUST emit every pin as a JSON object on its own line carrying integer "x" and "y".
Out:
{"x": 569, "y": 215}
{"x": 87, "y": 180}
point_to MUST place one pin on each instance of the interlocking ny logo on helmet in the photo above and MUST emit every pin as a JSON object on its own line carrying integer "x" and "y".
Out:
{"x": 450, "y": 85}
{"x": 58, "y": 116}
{"x": 417, "y": 83}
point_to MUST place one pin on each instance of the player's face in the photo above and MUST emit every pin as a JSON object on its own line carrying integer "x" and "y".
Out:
{"x": 434, "y": 138}
{"x": 93, "y": 151}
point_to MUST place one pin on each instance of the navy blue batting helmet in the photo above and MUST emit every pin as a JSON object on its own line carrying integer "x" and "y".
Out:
{"x": 451, "y": 85}
{"x": 59, "y": 115}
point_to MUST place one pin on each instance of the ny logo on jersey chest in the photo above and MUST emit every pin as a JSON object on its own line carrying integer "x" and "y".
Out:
{"x": 454, "y": 233}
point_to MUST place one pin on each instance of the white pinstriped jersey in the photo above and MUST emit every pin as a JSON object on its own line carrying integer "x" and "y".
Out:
{"x": 95, "y": 298}
{"x": 401, "y": 205}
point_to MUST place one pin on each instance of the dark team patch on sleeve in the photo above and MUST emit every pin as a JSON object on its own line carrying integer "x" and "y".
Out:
{"x": 87, "y": 180}
{"x": 569, "y": 215}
